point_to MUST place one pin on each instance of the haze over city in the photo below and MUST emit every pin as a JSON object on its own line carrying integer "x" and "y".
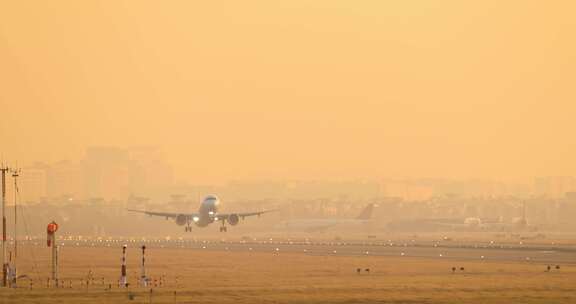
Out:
{"x": 299, "y": 90}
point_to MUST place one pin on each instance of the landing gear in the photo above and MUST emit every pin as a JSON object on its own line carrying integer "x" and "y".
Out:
{"x": 223, "y": 227}
{"x": 188, "y": 229}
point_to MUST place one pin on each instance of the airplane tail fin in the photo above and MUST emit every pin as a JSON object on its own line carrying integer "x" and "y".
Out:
{"x": 366, "y": 214}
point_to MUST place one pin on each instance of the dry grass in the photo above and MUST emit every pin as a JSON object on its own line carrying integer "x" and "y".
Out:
{"x": 251, "y": 277}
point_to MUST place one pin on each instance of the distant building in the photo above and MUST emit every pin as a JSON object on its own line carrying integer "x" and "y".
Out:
{"x": 148, "y": 171}
{"x": 106, "y": 173}
{"x": 567, "y": 210}
{"x": 114, "y": 173}
{"x": 31, "y": 184}
{"x": 554, "y": 186}
{"x": 408, "y": 190}
{"x": 65, "y": 179}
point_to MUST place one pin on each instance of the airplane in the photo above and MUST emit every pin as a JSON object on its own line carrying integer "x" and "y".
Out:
{"x": 469, "y": 223}
{"x": 314, "y": 225}
{"x": 465, "y": 224}
{"x": 477, "y": 224}
{"x": 516, "y": 224}
{"x": 206, "y": 215}
{"x": 439, "y": 224}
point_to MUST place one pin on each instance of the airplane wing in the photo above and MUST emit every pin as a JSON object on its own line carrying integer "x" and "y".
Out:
{"x": 219, "y": 216}
{"x": 164, "y": 214}
{"x": 242, "y": 215}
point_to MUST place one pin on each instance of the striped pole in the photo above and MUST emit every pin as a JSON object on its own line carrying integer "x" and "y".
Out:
{"x": 123, "y": 278}
{"x": 55, "y": 252}
{"x": 51, "y": 231}
{"x": 143, "y": 278}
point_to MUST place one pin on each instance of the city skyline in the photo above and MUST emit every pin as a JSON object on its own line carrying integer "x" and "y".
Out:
{"x": 117, "y": 173}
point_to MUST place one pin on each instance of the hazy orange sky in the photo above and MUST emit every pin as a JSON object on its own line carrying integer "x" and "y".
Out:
{"x": 295, "y": 89}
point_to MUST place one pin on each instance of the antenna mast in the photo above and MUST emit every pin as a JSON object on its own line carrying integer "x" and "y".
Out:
{"x": 15, "y": 174}
{"x": 3, "y": 170}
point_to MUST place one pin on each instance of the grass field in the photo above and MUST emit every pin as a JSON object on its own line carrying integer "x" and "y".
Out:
{"x": 196, "y": 276}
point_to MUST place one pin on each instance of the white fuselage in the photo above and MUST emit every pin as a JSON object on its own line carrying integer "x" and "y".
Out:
{"x": 208, "y": 211}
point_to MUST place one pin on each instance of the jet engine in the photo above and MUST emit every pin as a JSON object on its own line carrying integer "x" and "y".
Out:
{"x": 233, "y": 219}
{"x": 181, "y": 220}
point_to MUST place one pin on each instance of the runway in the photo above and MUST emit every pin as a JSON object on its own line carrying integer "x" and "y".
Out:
{"x": 280, "y": 270}
{"x": 479, "y": 251}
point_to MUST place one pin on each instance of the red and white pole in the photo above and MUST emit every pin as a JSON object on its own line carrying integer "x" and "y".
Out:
{"x": 123, "y": 278}
{"x": 143, "y": 278}
{"x": 51, "y": 241}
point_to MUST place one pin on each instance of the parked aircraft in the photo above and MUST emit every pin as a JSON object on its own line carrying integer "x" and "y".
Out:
{"x": 312, "y": 225}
